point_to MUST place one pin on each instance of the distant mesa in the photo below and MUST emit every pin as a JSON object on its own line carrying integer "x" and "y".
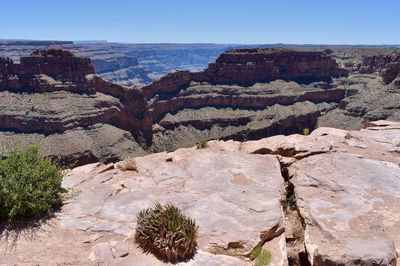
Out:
{"x": 55, "y": 63}
{"x": 248, "y": 66}
{"x": 33, "y": 43}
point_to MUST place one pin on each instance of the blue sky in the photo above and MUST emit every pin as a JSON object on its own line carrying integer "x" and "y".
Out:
{"x": 211, "y": 21}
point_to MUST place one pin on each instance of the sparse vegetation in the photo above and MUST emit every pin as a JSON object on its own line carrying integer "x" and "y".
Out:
{"x": 289, "y": 202}
{"x": 306, "y": 131}
{"x": 30, "y": 184}
{"x": 166, "y": 232}
{"x": 127, "y": 165}
{"x": 202, "y": 144}
{"x": 261, "y": 256}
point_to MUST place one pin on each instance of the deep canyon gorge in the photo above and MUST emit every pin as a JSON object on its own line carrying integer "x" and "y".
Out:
{"x": 53, "y": 97}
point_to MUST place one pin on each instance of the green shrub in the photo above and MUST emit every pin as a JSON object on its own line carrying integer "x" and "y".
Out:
{"x": 30, "y": 184}
{"x": 166, "y": 232}
{"x": 260, "y": 256}
{"x": 306, "y": 131}
{"x": 202, "y": 144}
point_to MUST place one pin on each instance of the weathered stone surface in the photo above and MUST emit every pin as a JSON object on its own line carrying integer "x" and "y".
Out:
{"x": 101, "y": 252}
{"x": 345, "y": 183}
{"x": 119, "y": 248}
{"x": 350, "y": 207}
{"x": 202, "y": 258}
{"x": 350, "y": 201}
{"x": 234, "y": 197}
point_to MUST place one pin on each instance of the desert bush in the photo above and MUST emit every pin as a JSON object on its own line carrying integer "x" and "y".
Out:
{"x": 261, "y": 256}
{"x": 166, "y": 232}
{"x": 202, "y": 144}
{"x": 127, "y": 165}
{"x": 30, "y": 184}
{"x": 306, "y": 131}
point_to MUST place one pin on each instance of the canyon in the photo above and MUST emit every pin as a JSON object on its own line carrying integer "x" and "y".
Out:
{"x": 282, "y": 180}
{"x": 54, "y": 99}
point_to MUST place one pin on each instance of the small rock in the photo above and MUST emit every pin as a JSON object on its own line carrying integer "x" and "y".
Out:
{"x": 355, "y": 143}
{"x": 119, "y": 248}
{"x": 92, "y": 238}
{"x": 101, "y": 251}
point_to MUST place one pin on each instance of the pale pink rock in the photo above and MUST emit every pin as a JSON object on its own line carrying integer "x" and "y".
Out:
{"x": 101, "y": 252}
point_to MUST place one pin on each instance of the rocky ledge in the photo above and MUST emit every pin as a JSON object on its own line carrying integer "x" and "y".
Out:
{"x": 329, "y": 198}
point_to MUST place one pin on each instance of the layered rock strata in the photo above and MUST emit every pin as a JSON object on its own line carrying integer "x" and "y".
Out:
{"x": 248, "y": 66}
{"x": 388, "y": 66}
{"x": 53, "y": 92}
{"x": 216, "y": 103}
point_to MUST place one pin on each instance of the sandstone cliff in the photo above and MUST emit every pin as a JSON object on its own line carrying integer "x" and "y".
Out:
{"x": 52, "y": 94}
{"x": 52, "y": 97}
{"x": 388, "y": 66}
{"x": 246, "y": 94}
{"x": 248, "y": 66}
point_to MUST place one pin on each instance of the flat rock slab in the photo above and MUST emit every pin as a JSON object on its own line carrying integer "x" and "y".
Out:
{"x": 351, "y": 209}
{"x": 234, "y": 197}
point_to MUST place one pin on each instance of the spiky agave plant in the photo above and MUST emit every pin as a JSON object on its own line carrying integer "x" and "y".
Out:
{"x": 166, "y": 232}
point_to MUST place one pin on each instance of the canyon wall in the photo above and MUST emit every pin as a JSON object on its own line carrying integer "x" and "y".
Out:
{"x": 52, "y": 94}
{"x": 388, "y": 66}
{"x": 248, "y": 66}
{"x": 54, "y": 99}
{"x": 245, "y": 94}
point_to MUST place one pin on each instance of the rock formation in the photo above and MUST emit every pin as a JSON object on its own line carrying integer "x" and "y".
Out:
{"x": 215, "y": 104}
{"x": 58, "y": 64}
{"x": 127, "y": 64}
{"x": 52, "y": 97}
{"x": 388, "y": 66}
{"x": 329, "y": 198}
{"x": 62, "y": 95}
{"x": 248, "y": 66}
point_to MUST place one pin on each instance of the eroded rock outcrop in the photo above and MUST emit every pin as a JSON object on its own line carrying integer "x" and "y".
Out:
{"x": 248, "y": 66}
{"x": 52, "y": 95}
{"x": 388, "y": 66}
{"x": 327, "y": 198}
{"x": 186, "y": 107}
{"x": 58, "y": 64}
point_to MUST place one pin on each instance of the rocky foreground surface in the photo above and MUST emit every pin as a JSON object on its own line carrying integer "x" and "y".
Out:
{"x": 329, "y": 198}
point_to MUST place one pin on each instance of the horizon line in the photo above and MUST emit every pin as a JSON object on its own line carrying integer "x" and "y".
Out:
{"x": 191, "y": 43}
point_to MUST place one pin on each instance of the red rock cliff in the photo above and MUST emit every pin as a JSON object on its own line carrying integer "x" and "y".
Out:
{"x": 388, "y": 66}
{"x": 249, "y": 66}
{"x": 57, "y": 64}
